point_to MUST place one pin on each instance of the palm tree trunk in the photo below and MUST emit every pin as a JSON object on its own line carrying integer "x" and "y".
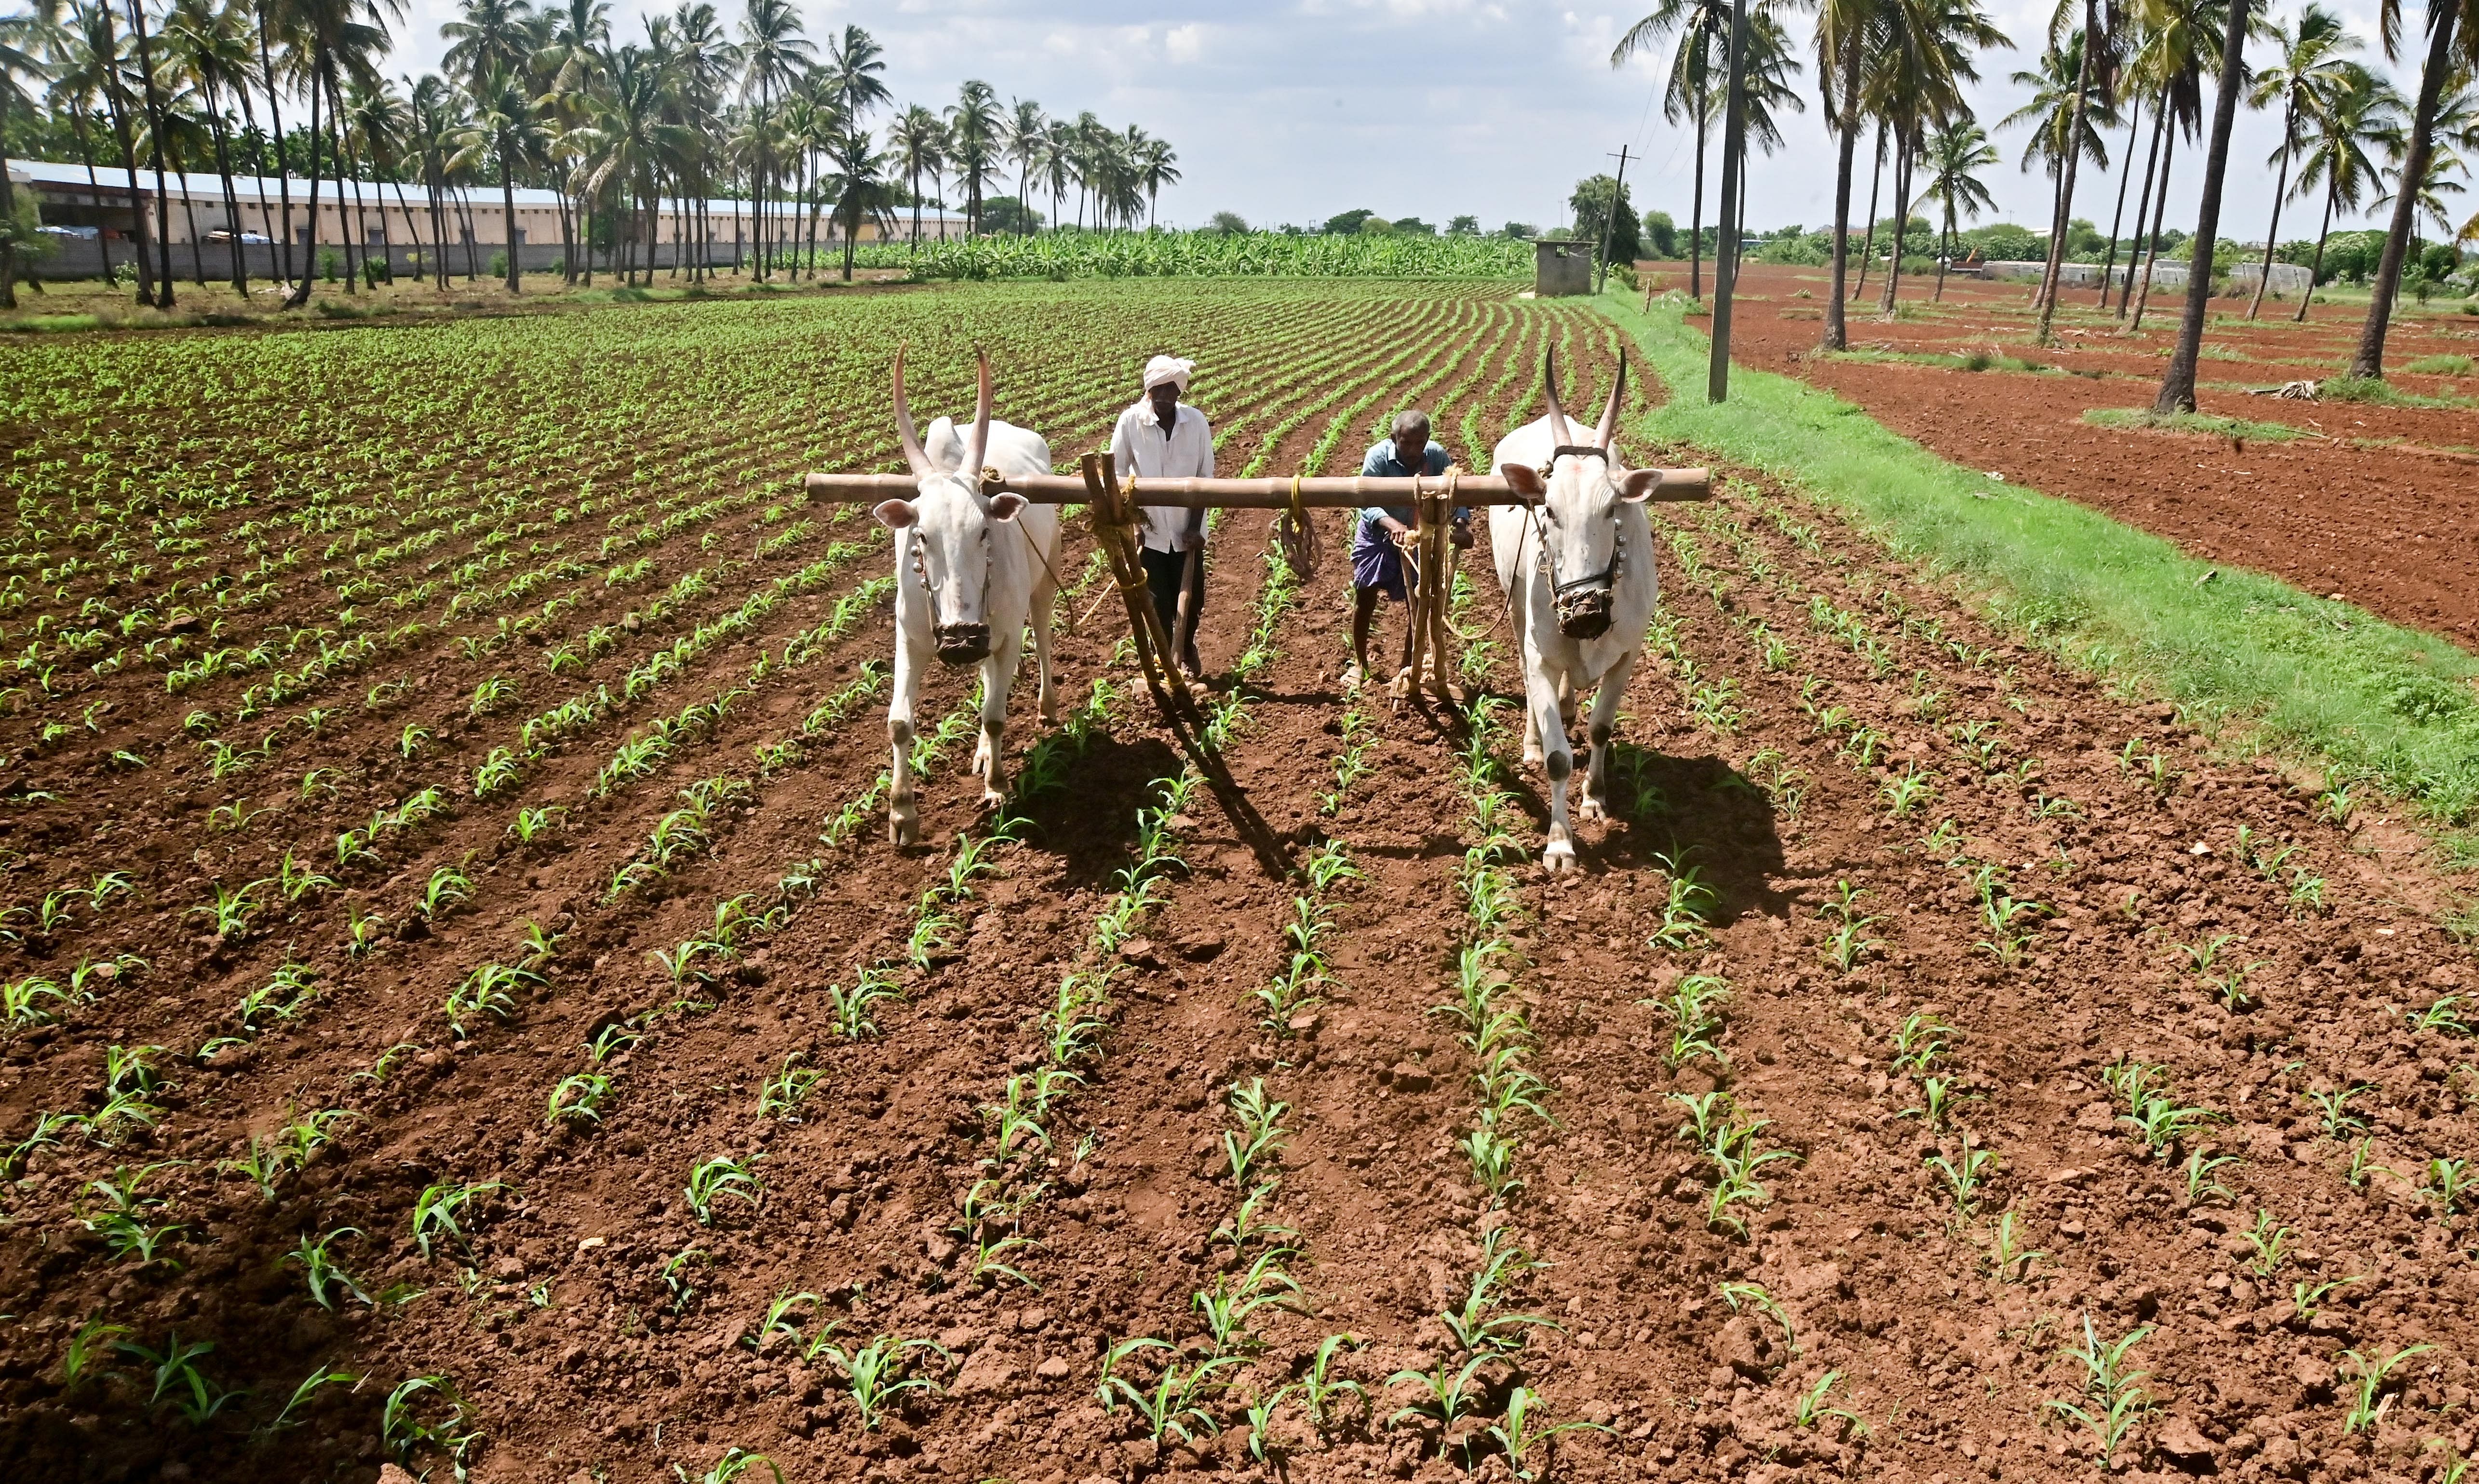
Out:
{"x": 2369, "y": 358}
{"x": 1868, "y": 245}
{"x": 1945, "y": 251}
{"x": 283, "y": 255}
{"x": 2272, "y": 233}
{"x": 2117, "y": 218}
{"x": 2160, "y": 209}
{"x": 232, "y": 196}
{"x": 1837, "y": 335}
{"x": 508, "y": 219}
{"x": 1695, "y": 217}
{"x": 94, "y": 187}
{"x": 155, "y": 139}
{"x": 300, "y": 295}
{"x": 2062, "y": 223}
{"x": 410, "y": 225}
{"x": 1902, "y": 223}
{"x": 916, "y": 188}
{"x": 357, "y": 252}
{"x": 2316, "y": 268}
{"x": 2178, "y": 387}
{"x": 7, "y": 214}
{"x": 2140, "y": 243}
{"x": 129, "y": 166}
{"x": 189, "y": 210}
{"x": 851, "y": 231}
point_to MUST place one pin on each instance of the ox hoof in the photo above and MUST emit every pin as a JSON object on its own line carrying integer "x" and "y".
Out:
{"x": 1590, "y": 807}
{"x": 1533, "y": 756}
{"x": 1559, "y": 859}
{"x": 991, "y": 797}
{"x": 904, "y": 829}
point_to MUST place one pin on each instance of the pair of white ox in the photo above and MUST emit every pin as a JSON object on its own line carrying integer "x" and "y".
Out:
{"x": 972, "y": 571}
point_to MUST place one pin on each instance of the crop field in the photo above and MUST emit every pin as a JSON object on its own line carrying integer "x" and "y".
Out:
{"x": 2369, "y": 491}
{"x": 461, "y": 1012}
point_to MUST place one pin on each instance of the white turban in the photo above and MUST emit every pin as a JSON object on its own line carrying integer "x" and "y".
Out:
{"x": 1167, "y": 368}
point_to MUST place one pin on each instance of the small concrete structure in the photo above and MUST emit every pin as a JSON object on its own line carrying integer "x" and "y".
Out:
{"x": 1561, "y": 268}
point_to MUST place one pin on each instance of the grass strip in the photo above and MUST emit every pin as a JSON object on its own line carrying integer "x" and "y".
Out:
{"x": 2369, "y": 697}
{"x": 2145, "y": 419}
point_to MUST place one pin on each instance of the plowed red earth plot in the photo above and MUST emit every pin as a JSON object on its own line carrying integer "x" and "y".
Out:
{"x": 1921, "y": 1016}
{"x": 2377, "y": 502}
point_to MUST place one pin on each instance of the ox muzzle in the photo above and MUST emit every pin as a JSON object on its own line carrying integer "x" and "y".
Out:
{"x": 969, "y": 644}
{"x": 1584, "y": 609}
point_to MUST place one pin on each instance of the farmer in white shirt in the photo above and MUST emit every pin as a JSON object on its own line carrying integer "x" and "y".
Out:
{"x": 1162, "y": 438}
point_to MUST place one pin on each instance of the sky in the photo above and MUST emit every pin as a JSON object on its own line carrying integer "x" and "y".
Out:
{"x": 1291, "y": 111}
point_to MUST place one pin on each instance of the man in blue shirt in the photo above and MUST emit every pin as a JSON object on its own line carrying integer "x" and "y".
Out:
{"x": 1383, "y": 531}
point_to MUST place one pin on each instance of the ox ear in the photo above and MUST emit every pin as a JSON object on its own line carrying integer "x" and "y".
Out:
{"x": 1523, "y": 479}
{"x": 1007, "y": 507}
{"x": 1637, "y": 485}
{"x": 895, "y": 514}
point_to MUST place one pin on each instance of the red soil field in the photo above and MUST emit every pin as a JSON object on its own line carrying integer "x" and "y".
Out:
{"x": 1955, "y": 837}
{"x": 2378, "y": 503}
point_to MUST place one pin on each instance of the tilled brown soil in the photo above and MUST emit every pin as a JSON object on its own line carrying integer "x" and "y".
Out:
{"x": 2379, "y": 503}
{"x": 596, "y": 1328}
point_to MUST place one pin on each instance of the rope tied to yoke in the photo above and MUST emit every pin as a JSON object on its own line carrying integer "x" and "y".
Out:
{"x": 1297, "y": 536}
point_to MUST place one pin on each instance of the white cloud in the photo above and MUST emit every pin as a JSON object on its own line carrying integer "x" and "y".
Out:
{"x": 1184, "y": 43}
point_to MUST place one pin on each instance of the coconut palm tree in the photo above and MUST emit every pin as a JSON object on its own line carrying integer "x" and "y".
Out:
{"x": 701, "y": 64}
{"x": 1919, "y": 82}
{"x": 2181, "y": 41}
{"x": 918, "y": 143}
{"x": 2352, "y": 120}
{"x": 1025, "y": 135}
{"x": 504, "y": 129}
{"x": 1699, "y": 60}
{"x": 1156, "y": 165}
{"x": 2096, "y": 66}
{"x": 861, "y": 187}
{"x": 973, "y": 132}
{"x": 206, "y": 46}
{"x": 27, "y": 42}
{"x": 2058, "y": 108}
{"x": 2178, "y": 383}
{"x": 1954, "y": 152}
{"x": 854, "y": 62}
{"x": 2452, "y": 43}
{"x": 1056, "y": 167}
{"x": 773, "y": 54}
{"x": 2312, "y": 50}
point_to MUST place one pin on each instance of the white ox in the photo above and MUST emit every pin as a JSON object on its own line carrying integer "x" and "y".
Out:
{"x": 970, "y": 570}
{"x": 1577, "y": 569}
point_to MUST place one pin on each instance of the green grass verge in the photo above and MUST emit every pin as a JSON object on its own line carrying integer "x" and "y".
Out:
{"x": 2381, "y": 394}
{"x": 2439, "y": 365}
{"x": 2327, "y": 679}
{"x": 2145, "y": 419}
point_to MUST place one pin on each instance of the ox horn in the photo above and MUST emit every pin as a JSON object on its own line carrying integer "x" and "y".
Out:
{"x": 980, "y": 446}
{"x": 904, "y": 432}
{"x": 1610, "y": 413}
{"x": 1560, "y": 434}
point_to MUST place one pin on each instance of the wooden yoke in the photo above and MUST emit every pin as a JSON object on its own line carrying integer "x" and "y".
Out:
{"x": 1114, "y": 531}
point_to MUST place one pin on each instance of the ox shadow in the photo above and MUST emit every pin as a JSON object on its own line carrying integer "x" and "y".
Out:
{"x": 1091, "y": 823}
{"x": 1696, "y": 811}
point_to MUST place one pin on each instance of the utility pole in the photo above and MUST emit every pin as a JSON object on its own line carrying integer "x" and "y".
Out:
{"x": 1726, "y": 250}
{"x": 1609, "y": 224}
